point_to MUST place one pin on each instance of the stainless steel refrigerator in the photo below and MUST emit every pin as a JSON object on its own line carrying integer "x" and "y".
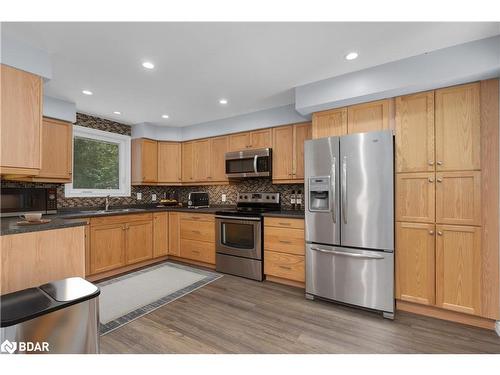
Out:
{"x": 349, "y": 214}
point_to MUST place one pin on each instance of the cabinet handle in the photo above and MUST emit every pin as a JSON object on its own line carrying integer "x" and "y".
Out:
{"x": 285, "y": 224}
{"x": 287, "y": 242}
{"x": 286, "y": 267}
{"x": 431, "y": 232}
{"x": 196, "y": 231}
{"x": 195, "y": 251}
{"x": 439, "y": 163}
{"x": 431, "y": 162}
{"x": 439, "y": 180}
{"x": 431, "y": 180}
{"x": 440, "y": 233}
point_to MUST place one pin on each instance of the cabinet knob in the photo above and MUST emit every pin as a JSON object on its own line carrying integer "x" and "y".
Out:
{"x": 439, "y": 180}
{"x": 431, "y": 180}
{"x": 440, "y": 233}
{"x": 431, "y": 162}
{"x": 431, "y": 232}
{"x": 439, "y": 163}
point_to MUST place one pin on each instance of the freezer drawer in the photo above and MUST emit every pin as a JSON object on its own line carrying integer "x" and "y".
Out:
{"x": 358, "y": 277}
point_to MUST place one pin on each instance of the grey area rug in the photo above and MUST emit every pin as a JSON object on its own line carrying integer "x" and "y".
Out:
{"x": 128, "y": 297}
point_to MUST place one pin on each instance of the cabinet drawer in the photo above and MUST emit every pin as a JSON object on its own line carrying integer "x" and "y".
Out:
{"x": 284, "y": 222}
{"x": 198, "y": 250}
{"x": 197, "y": 217}
{"x": 285, "y": 240}
{"x": 198, "y": 230}
{"x": 119, "y": 219}
{"x": 286, "y": 266}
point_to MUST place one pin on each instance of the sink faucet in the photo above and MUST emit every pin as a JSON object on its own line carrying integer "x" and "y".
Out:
{"x": 107, "y": 202}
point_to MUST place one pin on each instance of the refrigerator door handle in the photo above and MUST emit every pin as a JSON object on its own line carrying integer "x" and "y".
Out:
{"x": 334, "y": 190}
{"x": 344, "y": 189}
{"x": 352, "y": 255}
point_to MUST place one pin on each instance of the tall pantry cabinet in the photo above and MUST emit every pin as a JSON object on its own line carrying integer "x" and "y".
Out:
{"x": 446, "y": 255}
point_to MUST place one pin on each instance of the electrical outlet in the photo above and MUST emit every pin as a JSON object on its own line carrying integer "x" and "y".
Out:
{"x": 224, "y": 197}
{"x": 139, "y": 196}
{"x": 153, "y": 197}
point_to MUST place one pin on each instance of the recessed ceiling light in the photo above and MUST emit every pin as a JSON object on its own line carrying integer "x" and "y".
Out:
{"x": 87, "y": 92}
{"x": 148, "y": 65}
{"x": 223, "y": 101}
{"x": 164, "y": 116}
{"x": 117, "y": 112}
{"x": 351, "y": 56}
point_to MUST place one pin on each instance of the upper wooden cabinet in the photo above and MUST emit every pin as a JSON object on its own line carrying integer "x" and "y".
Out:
{"x": 187, "y": 162}
{"x": 169, "y": 162}
{"x": 21, "y": 122}
{"x": 201, "y": 160}
{"x": 369, "y": 117}
{"x": 458, "y": 128}
{"x": 255, "y": 139}
{"x": 288, "y": 151}
{"x": 415, "y": 132}
{"x": 218, "y": 146}
{"x": 329, "y": 123}
{"x": 458, "y": 268}
{"x": 415, "y": 197}
{"x": 144, "y": 161}
{"x": 415, "y": 273}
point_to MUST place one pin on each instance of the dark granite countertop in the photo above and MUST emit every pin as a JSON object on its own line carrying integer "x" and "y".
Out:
{"x": 294, "y": 214}
{"x": 9, "y": 224}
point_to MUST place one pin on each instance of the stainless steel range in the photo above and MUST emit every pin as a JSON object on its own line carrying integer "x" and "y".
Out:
{"x": 239, "y": 235}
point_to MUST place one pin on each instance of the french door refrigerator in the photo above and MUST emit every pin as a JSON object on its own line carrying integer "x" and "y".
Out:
{"x": 349, "y": 186}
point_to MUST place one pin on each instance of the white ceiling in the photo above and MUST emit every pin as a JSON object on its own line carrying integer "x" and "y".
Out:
{"x": 254, "y": 65}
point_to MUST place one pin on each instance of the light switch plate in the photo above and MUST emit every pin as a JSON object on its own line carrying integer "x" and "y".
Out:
{"x": 139, "y": 196}
{"x": 224, "y": 198}
{"x": 153, "y": 197}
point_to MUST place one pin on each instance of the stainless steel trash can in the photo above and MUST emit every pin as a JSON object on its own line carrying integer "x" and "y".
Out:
{"x": 60, "y": 317}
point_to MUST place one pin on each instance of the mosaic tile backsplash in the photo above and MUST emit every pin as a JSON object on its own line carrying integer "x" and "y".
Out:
{"x": 179, "y": 192}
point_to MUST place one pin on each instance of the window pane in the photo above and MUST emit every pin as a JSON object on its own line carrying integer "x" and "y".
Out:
{"x": 96, "y": 164}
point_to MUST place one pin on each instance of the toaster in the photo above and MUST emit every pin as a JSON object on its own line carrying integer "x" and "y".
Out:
{"x": 197, "y": 199}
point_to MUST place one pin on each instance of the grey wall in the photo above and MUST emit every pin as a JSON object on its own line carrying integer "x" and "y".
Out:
{"x": 59, "y": 109}
{"x": 445, "y": 67}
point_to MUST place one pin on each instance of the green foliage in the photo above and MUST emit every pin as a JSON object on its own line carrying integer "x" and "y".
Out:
{"x": 96, "y": 164}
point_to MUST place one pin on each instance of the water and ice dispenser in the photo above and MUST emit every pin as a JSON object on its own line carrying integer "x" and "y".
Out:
{"x": 319, "y": 194}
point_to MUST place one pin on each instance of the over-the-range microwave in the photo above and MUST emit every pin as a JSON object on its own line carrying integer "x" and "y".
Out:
{"x": 249, "y": 163}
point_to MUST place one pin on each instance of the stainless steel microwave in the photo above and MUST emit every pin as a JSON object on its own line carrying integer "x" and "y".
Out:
{"x": 18, "y": 201}
{"x": 249, "y": 163}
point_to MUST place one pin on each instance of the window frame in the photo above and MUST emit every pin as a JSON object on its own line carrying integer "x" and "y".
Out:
{"x": 124, "y": 145}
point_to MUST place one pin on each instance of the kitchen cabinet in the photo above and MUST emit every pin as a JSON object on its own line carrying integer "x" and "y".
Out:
{"x": 197, "y": 237}
{"x": 415, "y": 197}
{"x": 30, "y": 259}
{"x": 329, "y": 123}
{"x": 139, "y": 236}
{"x": 201, "y": 160}
{"x": 144, "y": 161}
{"x": 284, "y": 266}
{"x": 21, "y": 122}
{"x": 187, "y": 162}
{"x": 160, "y": 234}
{"x": 458, "y": 198}
{"x": 415, "y": 262}
{"x": 458, "y": 268}
{"x": 458, "y": 128}
{"x": 174, "y": 234}
{"x": 107, "y": 247}
{"x": 251, "y": 140}
{"x": 288, "y": 152}
{"x": 369, "y": 117}
{"x": 218, "y": 146}
{"x": 415, "y": 132}
{"x": 169, "y": 162}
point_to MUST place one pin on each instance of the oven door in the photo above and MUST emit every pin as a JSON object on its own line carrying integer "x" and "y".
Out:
{"x": 241, "y": 237}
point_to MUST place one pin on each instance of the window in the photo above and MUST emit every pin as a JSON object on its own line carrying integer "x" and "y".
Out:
{"x": 101, "y": 164}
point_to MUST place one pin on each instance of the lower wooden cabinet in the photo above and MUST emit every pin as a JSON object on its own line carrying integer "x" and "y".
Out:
{"x": 200, "y": 251}
{"x": 107, "y": 247}
{"x": 139, "y": 236}
{"x": 174, "y": 233}
{"x": 284, "y": 266}
{"x": 458, "y": 268}
{"x": 160, "y": 234}
{"x": 197, "y": 237}
{"x": 415, "y": 254}
{"x": 415, "y": 197}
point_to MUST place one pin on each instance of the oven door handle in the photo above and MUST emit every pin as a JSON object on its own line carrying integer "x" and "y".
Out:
{"x": 239, "y": 218}
{"x": 255, "y": 164}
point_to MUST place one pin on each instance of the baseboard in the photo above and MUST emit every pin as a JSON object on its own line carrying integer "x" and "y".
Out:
{"x": 194, "y": 262}
{"x": 280, "y": 280}
{"x": 453, "y": 316}
{"x": 133, "y": 267}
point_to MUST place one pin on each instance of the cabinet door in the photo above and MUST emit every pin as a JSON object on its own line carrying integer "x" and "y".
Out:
{"x": 187, "y": 162}
{"x": 415, "y": 132}
{"x": 201, "y": 160}
{"x": 458, "y": 268}
{"x": 458, "y": 128}
{"x": 149, "y": 162}
{"x": 160, "y": 231}
{"x": 139, "y": 241}
{"x": 368, "y": 117}
{"x": 238, "y": 142}
{"x": 57, "y": 150}
{"x": 415, "y": 273}
{"x": 107, "y": 247}
{"x": 302, "y": 132}
{"x": 169, "y": 162}
{"x": 458, "y": 198}
{"x": 261, "y": 138}
{"x": 329, "y": 123}
{"x": 219, "y": 146}
{"x": 174, "y": 233}
{"x": 415, "y": 197}
{"x": 21, "y": 121}
{"x": 283, "y": 153}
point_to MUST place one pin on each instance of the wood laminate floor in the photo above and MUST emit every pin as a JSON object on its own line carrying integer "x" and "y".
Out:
{"x": 235, "y": 315}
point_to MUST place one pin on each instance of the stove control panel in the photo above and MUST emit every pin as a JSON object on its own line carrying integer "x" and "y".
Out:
{"x": 258, "y": 198}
